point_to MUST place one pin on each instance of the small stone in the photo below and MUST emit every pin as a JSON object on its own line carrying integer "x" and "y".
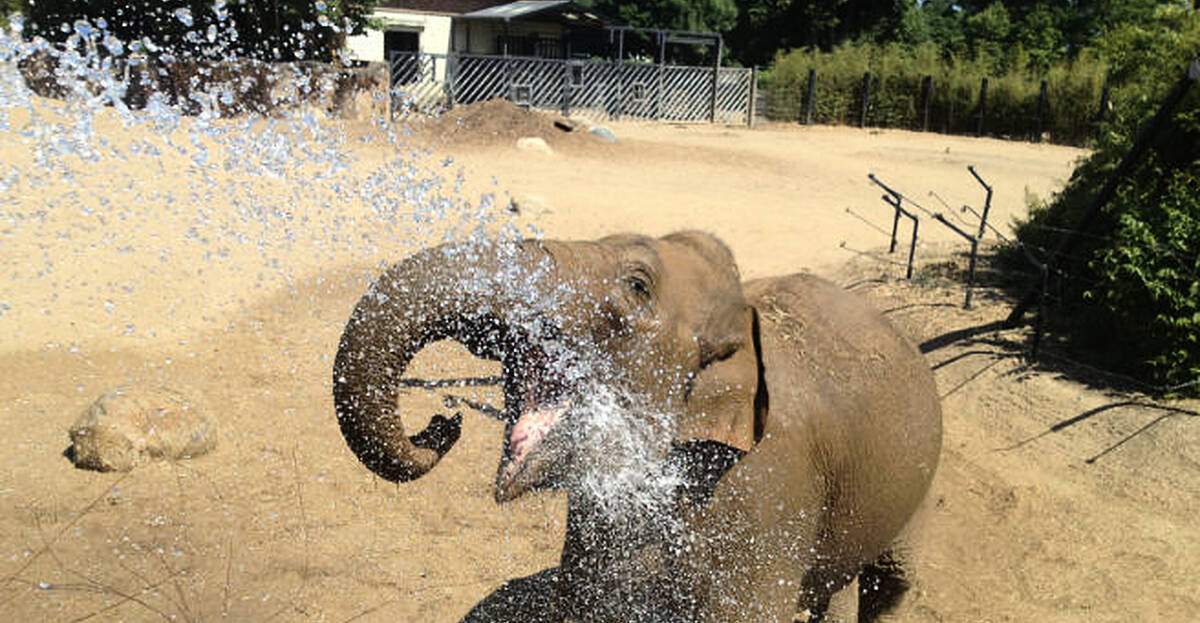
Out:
{"x": 129, "y": 425}
{"x": 604, "y": 132}
{"x": 534, "y": 143}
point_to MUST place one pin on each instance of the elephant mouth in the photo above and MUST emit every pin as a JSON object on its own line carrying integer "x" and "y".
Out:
{"x": 534, "y": 442}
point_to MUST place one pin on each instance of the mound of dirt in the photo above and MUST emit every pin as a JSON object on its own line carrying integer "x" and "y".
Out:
{"x": 499, "y": 123}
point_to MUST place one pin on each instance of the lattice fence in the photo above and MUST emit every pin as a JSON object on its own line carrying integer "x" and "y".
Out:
{"x": 596, "y": 90}
{"x": 418, "y": 83}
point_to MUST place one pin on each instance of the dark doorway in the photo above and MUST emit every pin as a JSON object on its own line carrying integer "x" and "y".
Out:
{"x": 401, "y": 41}
{"x": 400, "y": 48}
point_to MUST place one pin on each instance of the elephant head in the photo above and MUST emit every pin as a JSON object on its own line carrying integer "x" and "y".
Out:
{"x": 662, "y": 323}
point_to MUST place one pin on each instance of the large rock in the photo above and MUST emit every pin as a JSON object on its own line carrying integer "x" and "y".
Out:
{"x": 128, "y": 426}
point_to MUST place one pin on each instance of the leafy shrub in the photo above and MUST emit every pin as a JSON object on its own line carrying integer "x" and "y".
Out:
{"x": 1129, "y": 292}
{"x": 896, "y": 100}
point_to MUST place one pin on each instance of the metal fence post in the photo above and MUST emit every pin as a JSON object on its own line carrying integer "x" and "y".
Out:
{"x": 451, "y": 70}
{"x": 810, "y": 100}
{"x": 566, "y": 89}
{"x": 866, "y": 98}
{"x": 983, "y": 85}
{"x": 927, "y": 97}
{"x": 716, "y": 74}
{"x": 753, "y": 96}
{"x": 508, "y": 78}
{"x": 658, "y": 75}
{"x": 1041, "y": 114}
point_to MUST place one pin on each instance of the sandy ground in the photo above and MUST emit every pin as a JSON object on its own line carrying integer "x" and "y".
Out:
{"x": 224, "y": 260}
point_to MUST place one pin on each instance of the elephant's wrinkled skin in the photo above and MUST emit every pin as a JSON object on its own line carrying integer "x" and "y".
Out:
{"x": 806, "y": 428}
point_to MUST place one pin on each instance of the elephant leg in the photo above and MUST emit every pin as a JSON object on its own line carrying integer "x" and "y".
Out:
{"x": 817, "y": 589}
{"x": 530, "y": 599}
{"x": 881, "y": 586}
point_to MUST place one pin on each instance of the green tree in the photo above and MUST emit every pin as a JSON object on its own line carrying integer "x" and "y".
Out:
{"x": 989, "y": 35}
{"x": 284, "y": 30}
{"x": 766, "y": 27}
{"x": 7, "y": 8}
{"x": 696, "y": 15}
{"x": 1040, "y": 33}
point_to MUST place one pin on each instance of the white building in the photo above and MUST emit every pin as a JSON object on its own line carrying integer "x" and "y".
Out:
{"x": 541, "y": 28}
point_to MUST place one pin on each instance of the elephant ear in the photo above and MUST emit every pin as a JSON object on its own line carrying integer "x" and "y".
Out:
{"x": 724, "y": 403}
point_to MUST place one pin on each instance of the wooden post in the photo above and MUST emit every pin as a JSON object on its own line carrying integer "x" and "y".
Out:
{"x": 811, "y": 99}
{"x": 866, "y": 98}
{"x": 983, "y": 84}
{"x": 927, "y": 98}
{"x": 1041, "y": 114}
{"x": 1103, "y": 112}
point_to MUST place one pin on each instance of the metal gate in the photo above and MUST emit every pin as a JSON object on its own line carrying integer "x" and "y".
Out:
{"x": 597, "y": 90}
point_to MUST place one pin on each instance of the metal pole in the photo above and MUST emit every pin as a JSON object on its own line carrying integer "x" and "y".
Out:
{"x": 987, "y": 202}
{"x": 566, "y": 89}
{"x": 716, "y": 73}
{"x": 912, "y": 246}
{"x": 971, "y": 271}
{"x": 1140, "y": 145}
{"x": 451, "y": 74}
{"x": 810, "y": 100}
{"x": 662, "y": 61}
{"x": 983, "y": 85}
{"x": 896, "y": 202}
{"x": 753, "y": 96}
{"x": 1041, "y": 114}
{"x": 895, "y": 227}
{"x": 866, "y": 96}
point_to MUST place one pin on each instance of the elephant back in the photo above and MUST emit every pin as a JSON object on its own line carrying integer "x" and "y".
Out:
{"x": 851, "y": 397}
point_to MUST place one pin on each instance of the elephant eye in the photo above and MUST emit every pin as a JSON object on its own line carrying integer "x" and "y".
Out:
{"x": 638, "y": 285}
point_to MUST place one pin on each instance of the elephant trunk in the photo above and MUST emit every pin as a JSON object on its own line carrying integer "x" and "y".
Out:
{"x": 463, "y": 292}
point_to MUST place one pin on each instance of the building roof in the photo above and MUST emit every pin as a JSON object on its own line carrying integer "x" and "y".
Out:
{"x": 562, "y": 11}
{"x": 454, "y": 7}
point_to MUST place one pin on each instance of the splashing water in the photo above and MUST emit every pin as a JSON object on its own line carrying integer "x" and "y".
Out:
{"x": 622, "y": 450}
{"x": 169, "y": 214}
{"x": 123, "y": 178}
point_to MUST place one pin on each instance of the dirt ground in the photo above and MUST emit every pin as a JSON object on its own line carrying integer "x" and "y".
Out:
{"x": 230, "y": 275}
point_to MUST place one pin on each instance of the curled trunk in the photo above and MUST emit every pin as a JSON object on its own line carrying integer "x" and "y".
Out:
{"x": 459, "y": 291}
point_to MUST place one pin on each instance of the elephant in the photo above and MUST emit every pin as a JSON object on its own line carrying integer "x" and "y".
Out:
{"x": 729, "y": 451}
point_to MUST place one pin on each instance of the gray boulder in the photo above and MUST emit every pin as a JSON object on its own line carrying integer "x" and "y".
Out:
{"x": 129, "y": 426}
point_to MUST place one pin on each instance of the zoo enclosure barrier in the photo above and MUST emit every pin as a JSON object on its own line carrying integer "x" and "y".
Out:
{"x": 1065, "y": 110}
{"x": 597, "y": 90}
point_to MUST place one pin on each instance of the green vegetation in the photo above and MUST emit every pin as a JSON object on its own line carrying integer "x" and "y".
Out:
{"x": 285, "y": 30}
{"x": 8, "y": 7}
{"x": 896, "y": 98}
{"x": 1130, "y": 291}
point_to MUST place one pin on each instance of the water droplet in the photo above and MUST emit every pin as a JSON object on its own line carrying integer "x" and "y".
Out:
{"x": 184, "y": 15}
